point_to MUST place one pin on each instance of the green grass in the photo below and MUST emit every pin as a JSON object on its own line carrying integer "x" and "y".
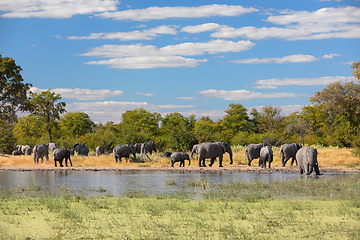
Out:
{"x": 310, "y": 208}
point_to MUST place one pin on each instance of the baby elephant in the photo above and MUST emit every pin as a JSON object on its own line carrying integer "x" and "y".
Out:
{"x": 179, "y": 157}
{"x": 266, "y": 154}
{"x": 60, "y": 154}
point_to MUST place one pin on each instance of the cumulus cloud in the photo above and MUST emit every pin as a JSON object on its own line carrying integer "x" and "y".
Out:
{"x": 237, "y": 95}
{"x": 147, "y": 34}
{"x": 273, "y": 83}
{"x": 55, "y": 9}
{"x": 139, "y": 56}
{"x": 82, "y": 94}
{"x": 157, "y": 13}
{"x": 287, "y": 59}
{"x": 325, "y": 23}
{"x": 330, "y": 56}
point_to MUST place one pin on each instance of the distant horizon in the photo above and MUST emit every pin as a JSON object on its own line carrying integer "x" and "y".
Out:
{"x": 111, "y": 56}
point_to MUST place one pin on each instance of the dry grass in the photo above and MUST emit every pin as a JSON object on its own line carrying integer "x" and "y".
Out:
{"x": 327, "y": 158}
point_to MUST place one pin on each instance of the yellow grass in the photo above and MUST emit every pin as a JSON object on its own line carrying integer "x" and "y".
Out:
{"x": 327, "y": 158}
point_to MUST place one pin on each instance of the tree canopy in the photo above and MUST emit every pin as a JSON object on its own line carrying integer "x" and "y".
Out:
{"x": 44, "y": 106}
{"x": 13, "y": 90}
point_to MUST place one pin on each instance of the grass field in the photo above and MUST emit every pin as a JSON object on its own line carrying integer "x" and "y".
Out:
{"x": 296, "y": 209}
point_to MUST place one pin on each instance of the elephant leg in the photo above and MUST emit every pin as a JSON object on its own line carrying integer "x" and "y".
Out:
{"x": 249, "y": 162}
{"x": 301, "y": 171}
{"x": 212, "y": 160}
{"x": 292, "y": 161}
{"x": 316, "y": 167}
{"x": 199, "y": 163}
{"x": 70, "y": 162}
{"x": 182, "y": 163}
{"x": 220, "y": 161}
{"x": 283, "y": 162}
{"x": 55, "y": 162}
{"x": 60, "y": 161}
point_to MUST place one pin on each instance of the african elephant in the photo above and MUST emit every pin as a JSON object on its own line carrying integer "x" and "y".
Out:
{"x": 137, "y": 148}
{"x": 81, "y": 149}
{"x": 24, "y": 149}
{"x": 306, "y": 159}
{"x": 60, "y": 154}
{"x": 40, "y": 151}
{"x": 227, "y": 149}
{"x": 123, "y": 151}
{"x": 287, "y": 151}
{"x": 100, "y": 150}
{"x": 16, "y": 152}
{"x": 208, "y": 150}
{"x": 148, "y": 147}
{"x": 167, "y": 154}
{"x": 179, "y": 157}
{"x": 266, "y": 155}
{"x": 252, "y": 151}
{"x": 51, "y": 147}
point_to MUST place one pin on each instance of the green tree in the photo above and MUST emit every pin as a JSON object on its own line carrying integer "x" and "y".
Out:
{"x": 236, "y": 120}
{"x": 139, "y": 125}
{"x": 45, "y": 107}
{"x": 7, "y": 140}
{"x": 29, "y": 130}
{"x": 356, "y": 72}
{"x": 177, "y": 132}
{"x": 270, "y": 119}
{"x": 75, "y": 124}
{"x": 13, "y": 90}
{"x": 205, "y": 130}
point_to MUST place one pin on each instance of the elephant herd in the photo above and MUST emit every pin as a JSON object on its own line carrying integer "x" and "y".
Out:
{"x": 305, "y": 157}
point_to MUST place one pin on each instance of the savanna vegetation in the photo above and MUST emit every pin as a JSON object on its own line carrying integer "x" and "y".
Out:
{"x": 332, "y": 119}
{"x": 324, "y": 208}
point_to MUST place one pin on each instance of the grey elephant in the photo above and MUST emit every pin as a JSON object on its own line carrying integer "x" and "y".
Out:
{"x": 210, "y": 150}
{"x": 306, "y": 159}
{"x": 81, "y": 149}
{"x": 227, "y": 149}
{"x": 252, "y": 151}
{"x": 266, "y": 155}
{"x": 60, "y": 154}
{"x": 148, "y": 147}
{"x": 51, "y": 147}
{"x": 137, "y": 148}
{"x": 287, "y": 151}
{"x": 179, "y": 157}
{"x": 123, "y": 151}
{"x": 99, "y": 150}
{"x": 40, "y": 151}
{"x": 16, "y": 153}
{"x": 24, "y": 149}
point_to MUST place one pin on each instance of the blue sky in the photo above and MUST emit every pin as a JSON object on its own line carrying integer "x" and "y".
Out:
{"x": 194, "y": 57}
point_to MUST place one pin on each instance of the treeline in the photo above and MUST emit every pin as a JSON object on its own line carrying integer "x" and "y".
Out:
{"x": 332, "y": 119}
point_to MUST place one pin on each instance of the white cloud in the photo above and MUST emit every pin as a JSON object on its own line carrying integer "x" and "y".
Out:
{"x": 330, "y": 56}
{"x": 146, "y": 94}
{"x": 147, "y": 34}
{"x": 186, "y": 98}
{"x": 287, "y": 59}
{"x": 325, "y": 23}
{"x": 139, "y": 56}
{"x": 272, "y": 83}
{"x": 149, "y": 62}
{"x": 82, "y": 94}
{"x": 237, "y": 95}
{"x": 206, "y": 27}
{"x": 157, "y": 13}
{"x": 55, "y": 9}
